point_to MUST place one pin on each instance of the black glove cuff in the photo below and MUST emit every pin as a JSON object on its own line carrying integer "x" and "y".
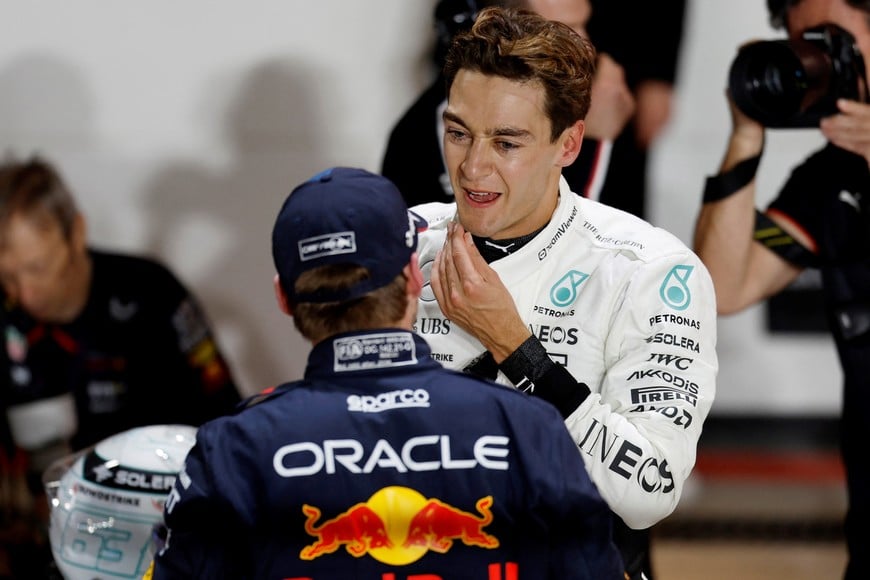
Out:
{"x": 725, "y": 184}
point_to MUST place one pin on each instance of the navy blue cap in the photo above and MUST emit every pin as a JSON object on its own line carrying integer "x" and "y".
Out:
{"x": 343, "y": 215}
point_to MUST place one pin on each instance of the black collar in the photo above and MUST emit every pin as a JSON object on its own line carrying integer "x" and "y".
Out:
{"x": 492, "y": 250}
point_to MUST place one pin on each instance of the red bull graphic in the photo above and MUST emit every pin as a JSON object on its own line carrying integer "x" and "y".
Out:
{"x": 397, "y": 526}
{"x": 359, "y": 530}
{"x": 438, "y": 524}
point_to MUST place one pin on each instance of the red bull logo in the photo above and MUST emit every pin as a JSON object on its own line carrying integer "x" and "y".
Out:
{"x": 397, "y": 526}
{"x": 437, "y": 525}
{"x": 359, "y": 529}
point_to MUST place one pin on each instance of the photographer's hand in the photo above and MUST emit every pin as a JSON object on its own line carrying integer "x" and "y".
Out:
{"x": 743, "y": 271}
{"x": 850, "y": 128}
{"x": 747, "y": 136}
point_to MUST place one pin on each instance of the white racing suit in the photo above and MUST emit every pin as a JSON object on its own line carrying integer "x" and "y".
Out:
{"x": 630, "y": 312}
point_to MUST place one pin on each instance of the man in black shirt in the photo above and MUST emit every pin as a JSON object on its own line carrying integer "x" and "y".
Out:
{"x": 95, "y": 343}
{"x": 819, "y": 219}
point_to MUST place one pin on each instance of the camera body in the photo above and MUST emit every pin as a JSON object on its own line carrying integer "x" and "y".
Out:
{"x": 795, "y": 83}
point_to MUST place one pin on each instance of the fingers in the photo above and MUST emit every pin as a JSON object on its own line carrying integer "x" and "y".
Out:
{"x": 466, "y": 260}
{"x": 444, "y": 278}
{"x": 436, "y": 281}
{"x": 850, "y": 129}
{"x": 458, "y": 266}
{"x": 853, "y": 107}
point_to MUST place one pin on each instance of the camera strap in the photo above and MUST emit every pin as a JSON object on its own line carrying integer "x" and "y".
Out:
{"x": 725, "y": 184}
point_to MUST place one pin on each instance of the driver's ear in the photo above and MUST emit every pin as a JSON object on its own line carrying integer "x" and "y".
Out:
{"x": 571, "y": 139}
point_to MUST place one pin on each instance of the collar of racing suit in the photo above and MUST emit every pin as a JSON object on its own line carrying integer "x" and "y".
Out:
{"x": 492, "y": 250}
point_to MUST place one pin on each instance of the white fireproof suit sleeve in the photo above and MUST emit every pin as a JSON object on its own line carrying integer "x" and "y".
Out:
{"x": 639, "y": 428}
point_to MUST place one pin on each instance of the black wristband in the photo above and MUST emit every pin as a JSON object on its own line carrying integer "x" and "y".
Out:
{"x": 532, "y": 370}
{"x": 722, "y": 185}
{"x": 526, "y": 364}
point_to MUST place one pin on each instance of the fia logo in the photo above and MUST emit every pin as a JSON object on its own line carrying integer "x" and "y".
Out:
{"x": 564, "y": 292}
{"x": 674, "y": 290}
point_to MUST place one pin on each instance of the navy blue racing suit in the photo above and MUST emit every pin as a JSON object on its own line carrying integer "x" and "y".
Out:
{"x": 381, "y": 464}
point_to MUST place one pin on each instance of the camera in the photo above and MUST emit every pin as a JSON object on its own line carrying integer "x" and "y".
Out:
{"x": 795, "y": 83}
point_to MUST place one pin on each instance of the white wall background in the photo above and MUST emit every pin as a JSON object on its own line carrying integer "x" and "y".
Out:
{"x": 181, "y": 126}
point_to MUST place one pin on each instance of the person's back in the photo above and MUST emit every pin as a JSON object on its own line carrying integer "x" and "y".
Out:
{"x": 380, "y": 463}
{"x": 359, "y": 473}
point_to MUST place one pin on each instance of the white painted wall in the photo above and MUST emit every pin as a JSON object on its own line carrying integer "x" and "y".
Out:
{"x": 181, "y": 126}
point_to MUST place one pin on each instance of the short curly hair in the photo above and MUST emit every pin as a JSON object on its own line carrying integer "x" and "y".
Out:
{"x": 520, "y": 45}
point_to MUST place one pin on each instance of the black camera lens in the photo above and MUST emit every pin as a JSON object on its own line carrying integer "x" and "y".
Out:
{"x": 775, "y": 82}
{"x": 795, "y": 83}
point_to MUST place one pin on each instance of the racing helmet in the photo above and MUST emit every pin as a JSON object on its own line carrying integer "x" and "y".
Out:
{"x": 107, "y": 501}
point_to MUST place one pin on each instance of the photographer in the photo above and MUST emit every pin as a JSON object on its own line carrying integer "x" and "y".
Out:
{"x": 818, "y": 219}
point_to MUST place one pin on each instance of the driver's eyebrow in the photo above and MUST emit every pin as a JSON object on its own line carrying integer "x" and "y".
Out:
{"x": 506, "y": 131}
